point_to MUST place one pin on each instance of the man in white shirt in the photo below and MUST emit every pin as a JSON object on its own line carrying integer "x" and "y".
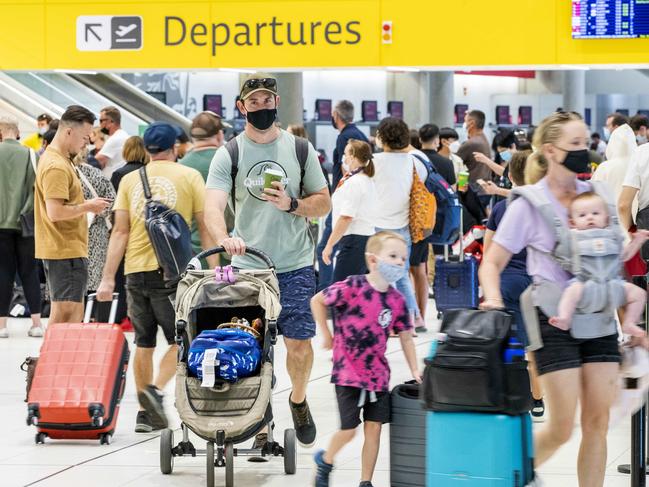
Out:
{"x": 110, "y": 156}
{"x": 636, "y": 183}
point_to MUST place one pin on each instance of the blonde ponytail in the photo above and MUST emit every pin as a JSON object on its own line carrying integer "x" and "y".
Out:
{"x": 536, "y": 167}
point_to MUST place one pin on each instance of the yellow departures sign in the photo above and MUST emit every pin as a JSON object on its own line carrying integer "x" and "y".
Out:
{"x": 206, "y": 34}
{"x": 186, "y": 35}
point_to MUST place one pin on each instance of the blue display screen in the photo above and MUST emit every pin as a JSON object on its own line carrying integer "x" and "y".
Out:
{"x": 606, "y": 19}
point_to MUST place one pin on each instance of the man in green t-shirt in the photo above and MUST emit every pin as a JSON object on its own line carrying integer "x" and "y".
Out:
{"x": 207, "y": 135}
{"x": 274, "y": 221}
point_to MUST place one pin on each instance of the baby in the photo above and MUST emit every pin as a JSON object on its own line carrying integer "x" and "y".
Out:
{"x": 601, "y": 258}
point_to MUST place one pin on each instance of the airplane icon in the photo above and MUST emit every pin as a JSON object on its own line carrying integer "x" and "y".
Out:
{"x": 125, "y": 29}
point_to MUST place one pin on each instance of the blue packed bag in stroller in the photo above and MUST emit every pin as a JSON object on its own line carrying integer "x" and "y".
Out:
{"x": 232, "y": 353}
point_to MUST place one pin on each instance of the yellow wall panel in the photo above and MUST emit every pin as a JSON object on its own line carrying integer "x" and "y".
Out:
{"x": 42, "y": 34}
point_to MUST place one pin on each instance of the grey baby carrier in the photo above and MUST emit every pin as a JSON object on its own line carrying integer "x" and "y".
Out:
{"x": 581, "y": 256}
{"x": 226, "y": 413}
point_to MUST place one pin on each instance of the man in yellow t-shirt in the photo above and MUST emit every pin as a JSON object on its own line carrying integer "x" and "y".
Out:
{"x": 182, "y": 189}
{"x": 35, "y": 140}
{"x": 60, "y": 222}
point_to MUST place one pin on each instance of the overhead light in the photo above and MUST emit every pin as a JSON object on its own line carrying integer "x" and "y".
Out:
{"x": 402, "y": 69}
{"x": 233, "y": 70}
{"x": 74, "y": 71}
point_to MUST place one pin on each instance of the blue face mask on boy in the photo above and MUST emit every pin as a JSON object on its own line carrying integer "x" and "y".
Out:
{"x": 506, "y": 156}
{"x": 390, "y": 272}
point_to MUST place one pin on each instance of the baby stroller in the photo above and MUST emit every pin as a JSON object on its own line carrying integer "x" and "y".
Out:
{"x": 228, "y": 413}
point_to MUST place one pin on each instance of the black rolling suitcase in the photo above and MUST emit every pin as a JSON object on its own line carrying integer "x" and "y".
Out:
{"x": 407, "y": 437}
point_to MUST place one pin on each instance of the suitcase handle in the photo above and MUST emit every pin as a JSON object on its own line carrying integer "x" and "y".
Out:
{"x": 90, "y": 304}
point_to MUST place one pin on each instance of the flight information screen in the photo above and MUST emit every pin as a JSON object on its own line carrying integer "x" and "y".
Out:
{"x": 606, "y": 19}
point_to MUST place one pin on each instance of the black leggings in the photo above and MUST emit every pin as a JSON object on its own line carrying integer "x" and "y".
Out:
{"x": 17, "y": 255}
{"x": 350, "y": 259}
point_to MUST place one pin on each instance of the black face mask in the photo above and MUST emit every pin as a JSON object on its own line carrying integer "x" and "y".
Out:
{"x": 333, "y": 123}
{"x": 105, "y": 131}
{"x": 262, "y": 119}
{"x": 577, "y": 161}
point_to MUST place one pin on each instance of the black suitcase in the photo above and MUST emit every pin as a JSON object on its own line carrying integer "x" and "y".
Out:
{"x": 407, "y": 437}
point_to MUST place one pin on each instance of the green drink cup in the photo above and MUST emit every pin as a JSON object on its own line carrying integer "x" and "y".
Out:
{"x": 462, "y": 179}
{"x": 270, "y": 176}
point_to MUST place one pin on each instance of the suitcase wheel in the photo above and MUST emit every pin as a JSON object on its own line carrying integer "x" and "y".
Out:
{"x": 439, "y": 315}
{"x": 104, "y": 438}
{"x": 40, "y": 438}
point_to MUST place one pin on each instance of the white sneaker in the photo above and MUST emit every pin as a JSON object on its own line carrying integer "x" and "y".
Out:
{"x": 4, "y": 333}
{"x": 35, "y": 331}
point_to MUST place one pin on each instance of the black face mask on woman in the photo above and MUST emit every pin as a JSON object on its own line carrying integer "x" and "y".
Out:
{"x": 577, "y": 161}
{"x": 262, "y": 119}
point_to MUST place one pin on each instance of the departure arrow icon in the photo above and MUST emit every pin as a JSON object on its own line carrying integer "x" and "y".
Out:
{"x": 89, "y": 28}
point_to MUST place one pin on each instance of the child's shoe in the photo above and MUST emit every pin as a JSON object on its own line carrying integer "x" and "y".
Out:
{"x": 323, "y": 469}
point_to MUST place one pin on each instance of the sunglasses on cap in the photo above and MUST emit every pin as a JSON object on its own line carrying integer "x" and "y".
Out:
{"x": 253, "y": 84}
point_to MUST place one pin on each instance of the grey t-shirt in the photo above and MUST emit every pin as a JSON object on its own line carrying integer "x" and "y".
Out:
{"x": 283, "y": 236}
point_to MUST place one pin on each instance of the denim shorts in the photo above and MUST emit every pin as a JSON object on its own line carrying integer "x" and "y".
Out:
{"x": 512, "y": 285}
{"x": 150, "y": 306}
{"x": 296, "y": 290}
{"x": 67, "y": 279}
{"x": 561, "y": 351}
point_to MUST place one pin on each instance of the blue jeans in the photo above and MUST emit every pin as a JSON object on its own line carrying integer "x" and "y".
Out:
{"x": 325, "y": 272}
{"x": 404, "y": 285}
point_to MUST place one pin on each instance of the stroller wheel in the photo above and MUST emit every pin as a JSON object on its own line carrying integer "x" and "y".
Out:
{"x": 166, "y": 455}
{"x": 209, "y": 453}
{"x": 229, "y": 464}
{"x": 290, "y": 452}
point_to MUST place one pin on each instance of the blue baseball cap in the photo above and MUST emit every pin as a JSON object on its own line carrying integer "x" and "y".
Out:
{"x": 160, "y": 136}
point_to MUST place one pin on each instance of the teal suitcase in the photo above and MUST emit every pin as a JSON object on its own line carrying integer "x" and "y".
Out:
{"x": 478, "y": 450}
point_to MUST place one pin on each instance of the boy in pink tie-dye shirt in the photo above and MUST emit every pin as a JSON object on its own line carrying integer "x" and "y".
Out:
{"x": 365, "y": 309}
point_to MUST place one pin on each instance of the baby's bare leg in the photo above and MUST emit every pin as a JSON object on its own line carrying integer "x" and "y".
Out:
{"x": 635, "y": 303}
{"x": 567, "y": 305}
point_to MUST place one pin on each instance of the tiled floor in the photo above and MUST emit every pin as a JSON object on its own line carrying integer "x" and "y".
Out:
{"x": 133, "y": 459}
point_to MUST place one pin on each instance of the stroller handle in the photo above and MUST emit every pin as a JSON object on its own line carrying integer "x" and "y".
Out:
{"x": 195, "y": 262}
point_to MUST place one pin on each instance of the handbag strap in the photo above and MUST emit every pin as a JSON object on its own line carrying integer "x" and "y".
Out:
{"x": 86, "y": 183}
{"x": 145, "y": 184}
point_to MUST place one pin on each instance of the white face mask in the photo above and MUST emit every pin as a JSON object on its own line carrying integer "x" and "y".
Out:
{"x": 344, "y": 164}
{"x": 42, "y": 130}
{"x": 641, "y": 139}
{"x": 454, "y": 146}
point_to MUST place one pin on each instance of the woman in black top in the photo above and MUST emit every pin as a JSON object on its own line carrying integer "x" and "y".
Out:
{"x": 136, "y": 157}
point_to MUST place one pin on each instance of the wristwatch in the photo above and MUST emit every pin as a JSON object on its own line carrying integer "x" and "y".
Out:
{"x": 293, "y": 206}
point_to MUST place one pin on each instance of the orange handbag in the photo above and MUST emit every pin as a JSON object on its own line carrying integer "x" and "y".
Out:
{"x": 423, "y": 209}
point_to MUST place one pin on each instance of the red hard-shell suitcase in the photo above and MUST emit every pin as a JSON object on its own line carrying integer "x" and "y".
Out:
{"x": 79, "y": 380}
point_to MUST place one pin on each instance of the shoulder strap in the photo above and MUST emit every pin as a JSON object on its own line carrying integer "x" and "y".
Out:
{"x": 563, "y": 242}
{"x": 145, "y": 184}
{"x": 87, "y": 184}
{"x": 302, "y": 153}
{"x": 233, "y": 149}
{"x": 430, "y": 167}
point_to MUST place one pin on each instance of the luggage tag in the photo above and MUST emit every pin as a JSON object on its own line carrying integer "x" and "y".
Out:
{"x": 210, "y": 361}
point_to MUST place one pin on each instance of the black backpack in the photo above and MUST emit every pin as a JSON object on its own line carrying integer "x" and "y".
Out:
{"x": 301, "y": 151}
{"x": 468, "y": 373}
{"x": 169, "y": 234}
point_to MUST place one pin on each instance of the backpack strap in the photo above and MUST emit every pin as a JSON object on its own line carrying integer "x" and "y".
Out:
{"x": 562, "y": 251}
{"x": 302, "y": 153}
{"x": 145, "y": 184}
{"x": 430, "y": 167}
{"x": 233, "y": 149}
